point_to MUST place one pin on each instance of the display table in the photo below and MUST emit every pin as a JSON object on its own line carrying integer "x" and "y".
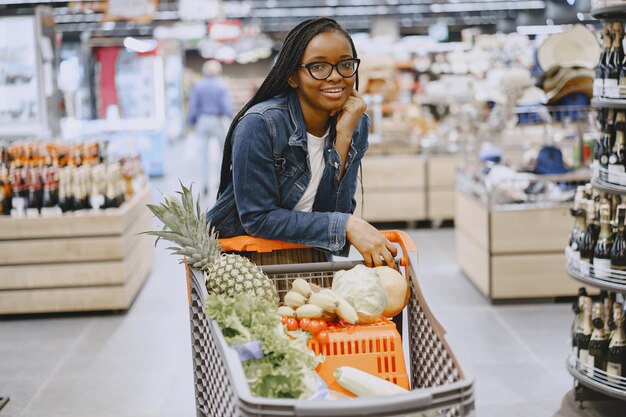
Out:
{"x": 407, "y": 188}
{"x": 513, "y": 253}
{"x": 76, "y": 262}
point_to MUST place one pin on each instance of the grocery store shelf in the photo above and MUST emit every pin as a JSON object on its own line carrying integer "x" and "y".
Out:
{"x": 597, "y": 379}
{"x": 610, "y": 280}
{"x": 609, "y": 12}
{"x": 605, "y": 103}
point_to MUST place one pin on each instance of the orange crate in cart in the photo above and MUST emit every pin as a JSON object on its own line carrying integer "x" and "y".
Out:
{"x": 373, "y": 348}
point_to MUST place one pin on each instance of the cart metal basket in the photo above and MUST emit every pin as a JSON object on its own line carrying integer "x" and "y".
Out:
{"x": 439, "y": 386}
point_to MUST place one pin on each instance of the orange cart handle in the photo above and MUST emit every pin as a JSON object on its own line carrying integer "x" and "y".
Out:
{"x": 261, "y": 245}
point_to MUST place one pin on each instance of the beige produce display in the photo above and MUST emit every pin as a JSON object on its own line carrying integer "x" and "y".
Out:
{"x": 83, "y": 261}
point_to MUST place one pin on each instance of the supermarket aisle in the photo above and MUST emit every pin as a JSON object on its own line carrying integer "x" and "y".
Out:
{"x": 138, "y": 363}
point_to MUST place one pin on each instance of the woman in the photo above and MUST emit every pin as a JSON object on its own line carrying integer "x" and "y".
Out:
{"x": 292, "y": 154}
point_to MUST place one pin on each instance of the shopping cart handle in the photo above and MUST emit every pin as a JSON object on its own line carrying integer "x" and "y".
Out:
{"x": 256, "y": 244}
{"x": 261, "y": 245}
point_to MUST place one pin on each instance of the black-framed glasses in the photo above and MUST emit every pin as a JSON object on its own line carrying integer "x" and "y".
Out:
{"x": 322, "y": 70}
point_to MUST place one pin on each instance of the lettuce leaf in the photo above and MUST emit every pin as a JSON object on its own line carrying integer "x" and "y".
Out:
{"x": 288, "y": 368}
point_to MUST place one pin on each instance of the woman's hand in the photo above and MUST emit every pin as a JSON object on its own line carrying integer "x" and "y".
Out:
{"x": 349, "y": 115}
{"x": 373, "y": 246}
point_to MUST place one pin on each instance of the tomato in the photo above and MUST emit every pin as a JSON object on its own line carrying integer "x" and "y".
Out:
{"x": 316, "y": 326}
{"x": 304, "y": 324}
{"x": 323, "y": 337}
{"x": 283, "y": 319}
{"x": 292, "y": 324}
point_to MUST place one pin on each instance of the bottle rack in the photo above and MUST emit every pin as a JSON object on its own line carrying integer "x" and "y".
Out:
{"x": 597, "y": 379}
{"x": 607, "y": 279}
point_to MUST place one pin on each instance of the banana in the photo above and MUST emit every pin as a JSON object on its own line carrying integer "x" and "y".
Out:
{"x": 294, "y": 299}
{"x": 327, "y": 301}
{"x": 286, "y": 311}
{"x": 345, "y": 311}
{"x": 310, "y": 311}
{"x": 301, "y": 286}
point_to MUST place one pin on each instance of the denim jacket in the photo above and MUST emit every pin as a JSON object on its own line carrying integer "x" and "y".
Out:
{"x": 271, "y": 170}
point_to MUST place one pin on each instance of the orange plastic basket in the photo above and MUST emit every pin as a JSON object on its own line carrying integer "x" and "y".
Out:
{"x": 374, "y": 348}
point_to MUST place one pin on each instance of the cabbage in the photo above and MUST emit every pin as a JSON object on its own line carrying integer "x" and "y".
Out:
{"x": 361, "y": 287}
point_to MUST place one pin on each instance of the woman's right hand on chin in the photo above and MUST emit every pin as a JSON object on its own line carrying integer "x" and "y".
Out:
{"x": 373, "y": 246}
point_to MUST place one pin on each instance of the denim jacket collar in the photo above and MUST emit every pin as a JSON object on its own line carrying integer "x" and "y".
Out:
{"x": 298, "y": 137}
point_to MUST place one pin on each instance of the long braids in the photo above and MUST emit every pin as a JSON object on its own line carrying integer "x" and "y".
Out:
{"x": 276, "y": 81}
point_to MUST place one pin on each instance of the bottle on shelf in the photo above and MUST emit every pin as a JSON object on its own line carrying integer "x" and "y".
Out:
{"x": 614, "y": 62}
{"x": 589, "y": 240}
{"x": 18, "y": 191}
{"x": 34, "y": 192}
{"x": 604, "y": 144}
{"x": 583, "y": 335}
{"x": 577, "y": 307}
{"x": 599, "y": 343}
{"x": 616, "y": 358}
{"x": 602, "y": 251}
{"x": 598, "y": 82}
{"x": 617, "y": 159}
{"x": 618, "y": 250}
{"x": 49, "y": 205}
{"x": 578, "y": 231}
{"x": 5, "y": 192}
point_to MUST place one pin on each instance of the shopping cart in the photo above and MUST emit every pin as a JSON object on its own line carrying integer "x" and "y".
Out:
{"x": 439, "y": 386}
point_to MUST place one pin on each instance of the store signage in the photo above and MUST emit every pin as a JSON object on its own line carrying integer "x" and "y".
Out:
{"x": 138, "y": 11}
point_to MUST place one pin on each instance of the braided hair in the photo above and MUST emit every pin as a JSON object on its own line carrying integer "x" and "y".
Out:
{"x": 275, "y": 83}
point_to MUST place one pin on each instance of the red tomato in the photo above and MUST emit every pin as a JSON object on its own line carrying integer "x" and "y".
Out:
{"x": 323, "y": 337}
{"x": 304, "y": 324}
{"x": 283, "y": 319}
{"x": 315, "y": 326}
{"x": 292, "y": 324}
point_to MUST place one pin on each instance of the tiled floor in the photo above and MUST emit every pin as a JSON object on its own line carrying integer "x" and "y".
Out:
{"x": 138, "y": 363}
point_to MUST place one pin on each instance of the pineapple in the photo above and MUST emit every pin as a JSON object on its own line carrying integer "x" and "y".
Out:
{"x": 196, "y": 241}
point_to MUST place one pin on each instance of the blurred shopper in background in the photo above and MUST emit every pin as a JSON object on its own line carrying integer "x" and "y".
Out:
{"x": 210, "y": 106}
{"x": 292, "y": 154}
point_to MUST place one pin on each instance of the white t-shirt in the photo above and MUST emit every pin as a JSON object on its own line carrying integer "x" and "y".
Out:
{"x": 315, "y": 146}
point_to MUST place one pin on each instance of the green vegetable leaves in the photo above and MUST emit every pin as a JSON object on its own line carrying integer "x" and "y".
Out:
{"x": 288, "y": 368}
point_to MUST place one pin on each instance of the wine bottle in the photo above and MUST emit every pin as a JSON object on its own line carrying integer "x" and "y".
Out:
{"x": 34, "y": 192}
{"x": 604, "y": 144}
{"x": 599, "y": 343}
{"x": 6, "y": 193}
{"x": 602, "y": 251}
{"x": 618, "y": 250}
{"x": 577, "y": 307}
{"x": 618, "y": 153}
{"x": 598, "y": 82}
{"x": 588, "y": 242}
{"x": 616, "y": 358}
{"x": 609, "y": 324}
{"x": 574, "y": 211}
{"x": 614, "y": 62}
{"x": 583, "y": 336}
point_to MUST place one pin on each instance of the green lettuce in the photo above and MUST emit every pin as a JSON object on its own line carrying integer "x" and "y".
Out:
{"x": 288, "y": 368}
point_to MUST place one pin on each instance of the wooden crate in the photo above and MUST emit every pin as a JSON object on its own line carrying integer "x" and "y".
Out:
{"x": 76, "y": 262}
{"x": 513, "y": 254}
